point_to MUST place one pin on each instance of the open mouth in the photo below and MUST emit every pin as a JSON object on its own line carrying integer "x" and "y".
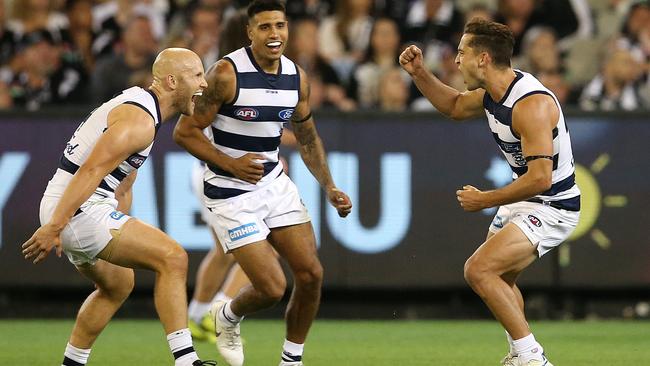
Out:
{"x": 274, "y": 46}
{"x": 196, "y": 94}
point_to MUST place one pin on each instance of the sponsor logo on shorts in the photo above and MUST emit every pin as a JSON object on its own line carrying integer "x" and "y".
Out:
{"x": 534, "y": 220}
{"x": 497, "y": 222}
{"x": 243, "y": 231}
{"x": 285, "y": 114}
{"x": 116, "y": 215}
{"x": 247, "y": 113}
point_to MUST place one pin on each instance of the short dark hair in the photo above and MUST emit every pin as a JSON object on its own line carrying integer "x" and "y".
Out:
{"x": 259, "y": 6}
{"x": 494, "y": 38}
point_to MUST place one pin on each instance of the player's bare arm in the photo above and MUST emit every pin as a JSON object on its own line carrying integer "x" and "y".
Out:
{"x": 130, "y": 129}
{"x": 447, "y": 100}
{"x": 312, "y": 151}
{"x": 124, "y": 192}
{"x": 188, "y": 133}
{"x": 533, "y": 119}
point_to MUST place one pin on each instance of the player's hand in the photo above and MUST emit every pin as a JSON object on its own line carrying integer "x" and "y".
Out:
{"x": 471, "y": 199}
{"x": 411, "y": 59}
{"x": 340, "y": 201}
{"x": 248, "y": 168}
{"x": 41, "y": 243}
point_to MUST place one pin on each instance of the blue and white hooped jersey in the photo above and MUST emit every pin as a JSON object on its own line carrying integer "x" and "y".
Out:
{"x": 253, "y": 122}
{"x": 89, "y": 131}
{"x": 564, "y": 193}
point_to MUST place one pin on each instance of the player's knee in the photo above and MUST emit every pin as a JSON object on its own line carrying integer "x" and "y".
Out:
{"x": 310, "y": 277}
{"x": 273, "y": 291}
{"x": 119, "y": 286}
{"x": 175, "y": 259}
{"x": 472, "y": 271}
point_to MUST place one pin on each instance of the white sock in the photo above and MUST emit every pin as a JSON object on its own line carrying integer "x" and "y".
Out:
{"x": 528, "y": 349}
{"x": 511, "y": 344}
{"x": 180, "y": 343}
{"x": 221, "y": 296}
{"x": 226, "y": 315}
{"x": 77, "y": 355}
{"x": 292, "y": 352}
{"x": 197, "y": 310}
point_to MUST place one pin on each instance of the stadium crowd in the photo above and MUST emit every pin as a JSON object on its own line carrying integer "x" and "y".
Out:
{"x": 593, "y": 54}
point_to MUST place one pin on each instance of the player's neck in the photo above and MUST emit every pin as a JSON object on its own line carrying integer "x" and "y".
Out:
{"x": 269, "y": 66}
{"x": 165, "y": 102}
{"x": 497, "y": 82}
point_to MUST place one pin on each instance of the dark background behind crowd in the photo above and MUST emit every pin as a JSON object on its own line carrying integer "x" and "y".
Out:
{"x": 593, "y": 54}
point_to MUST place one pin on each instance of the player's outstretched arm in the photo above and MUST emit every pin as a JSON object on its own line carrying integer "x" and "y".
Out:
{"x": 312, "y": 151}
{"x": 188, "y": 133}
{"x": 534, "y": 119}
{"x": 130, "y": 130}
{"x": 446, "y": 99}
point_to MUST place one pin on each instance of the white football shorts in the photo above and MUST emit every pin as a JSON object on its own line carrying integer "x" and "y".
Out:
{"x": 545, "y": 226}
{"x": 248, "y": 218}
{"x": 88, "y": 231}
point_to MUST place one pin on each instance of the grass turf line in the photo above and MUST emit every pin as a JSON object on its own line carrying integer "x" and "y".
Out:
{"x": 354, "y": 343}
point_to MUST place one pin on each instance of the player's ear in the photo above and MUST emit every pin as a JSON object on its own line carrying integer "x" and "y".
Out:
{"x": 483, "y": 59}
{"x": 171, "y": 82}
{"x": 249, "y": 32}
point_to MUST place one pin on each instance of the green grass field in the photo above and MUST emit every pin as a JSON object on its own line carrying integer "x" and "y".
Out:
{"x": 334, "y": 343}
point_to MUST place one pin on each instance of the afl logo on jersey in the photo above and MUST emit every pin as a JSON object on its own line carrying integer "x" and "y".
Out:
{"x": 136, "y": 161}
{"x": 286, "y": 114}
{"x": 247, "y": 113}
{"x": 534, "y": 220}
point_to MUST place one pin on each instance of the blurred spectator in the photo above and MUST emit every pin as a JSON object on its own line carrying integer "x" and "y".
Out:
{"x": 204, "y": 33}
{"x": 609, "y": 16}
{"x": 636, "y": 38}
{"x": 7, "y": 38}
{"x": 46, "y": 77}
{"x": 434, "y": 20}
{"x": 317, "y": 9}
{"x": 616, "y": 87}
{"x": 78, "y": 36}
{"x": 381, "y": 55}
{"x": 540, "y": 52}
{"x": 436, "y": 25}
{"x": 316, "y": 92}
{"x": 393, "y": 90}
{"x": 6, "y": 102}
{"x": 344, "y": 36}
{"x": 112, "y": 17}
{"x": 112, "y": 73}
{"x": 141, "y": 78}
{"x": 516, "y": 14}
{"x": 570, "y": 19}
{"x": 227, "y": 7}
{"x": 394, "y": 9}
{"x": 448, "y": 72}
{"x": 233, "y": 33}
{"x": 32, "y": 15}
{"x": 555, "y": 82}
{"x": 478, "y": 11}
{"x": 636, "y": 31}
{"x": 303, "y": 48}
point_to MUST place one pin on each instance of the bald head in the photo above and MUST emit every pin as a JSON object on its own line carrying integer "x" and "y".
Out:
{"x": 178, "y": 77}
{"x": 173, "y": 62}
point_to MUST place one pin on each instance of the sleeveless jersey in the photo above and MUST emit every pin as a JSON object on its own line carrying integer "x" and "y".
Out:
{"x": 253, "y": 122}
{"x": 564, "y": 192}
{"x": 89, "y": 131}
